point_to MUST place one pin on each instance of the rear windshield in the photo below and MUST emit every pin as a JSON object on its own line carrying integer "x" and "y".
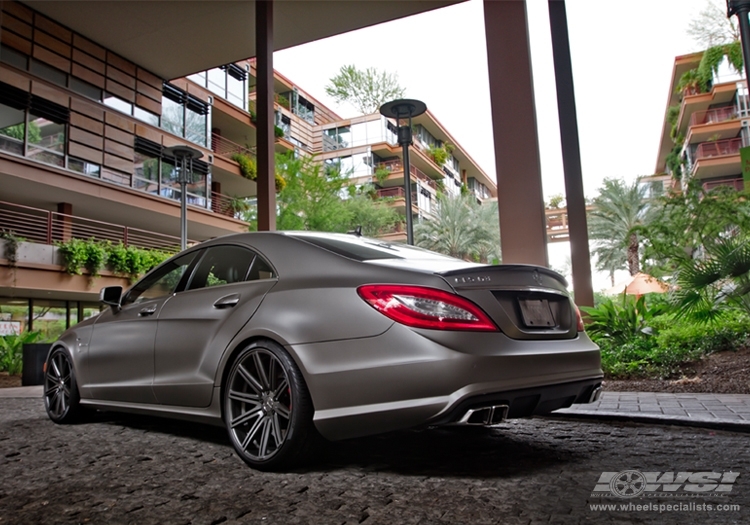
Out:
{"x": 366, "y": 249}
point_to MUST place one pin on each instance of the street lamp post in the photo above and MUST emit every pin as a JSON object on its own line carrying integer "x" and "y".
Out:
{"x": 183, "y": 156}
{"x": 741, "y": 8}
{"x": 405, "y": 109}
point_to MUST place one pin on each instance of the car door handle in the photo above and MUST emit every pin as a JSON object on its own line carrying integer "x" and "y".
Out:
{"x": 227, "y": 301}
{"x": 149, "y": 310}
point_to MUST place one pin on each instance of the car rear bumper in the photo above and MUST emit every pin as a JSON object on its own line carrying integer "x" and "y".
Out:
{"x": 404, "y": 379}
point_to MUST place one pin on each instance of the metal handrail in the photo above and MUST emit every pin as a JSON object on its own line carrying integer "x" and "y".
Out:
{"x": 712, "y": 116}
{"x": 47, "y": 227}
{"x": 397, "y": 165}
{"x": 226, "y": 148}
{"x": 718, "y": 148}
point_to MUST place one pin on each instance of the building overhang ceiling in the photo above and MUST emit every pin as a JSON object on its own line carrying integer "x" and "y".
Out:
{"x": 178, "y": 37}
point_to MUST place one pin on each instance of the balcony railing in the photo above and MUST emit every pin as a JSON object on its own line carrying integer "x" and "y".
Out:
{"x": 737, "y": 184}
{"x": 713, "y": 116}
{"x": 46, "y": 227}
{"x": 226, "y": 148}
{"x": 397, "y": 165}
{"x": 718, "y": 148}
{"x": 224, "y": 205}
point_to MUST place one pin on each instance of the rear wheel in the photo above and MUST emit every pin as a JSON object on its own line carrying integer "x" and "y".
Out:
{"x": 61, "y": 397}
{"x": 267, "y": 407}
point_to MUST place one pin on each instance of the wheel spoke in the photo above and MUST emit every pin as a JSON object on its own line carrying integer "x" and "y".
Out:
{"x": 271, "y": 371}
{"x": 263, "y": 448}
{"x": 256, "y": 411}
{"x": 244, "y": 397}
{"x": 281, "y": 410}
{"x": 261, "y": 372}
{"x": 251, "y": 433}
{"x": 51, "y": 390}
{"x": 280, "y": 389}
{"x": 250, "y": 380}
{"x": 55, "y": 367}
{"x": 277, "y": 432}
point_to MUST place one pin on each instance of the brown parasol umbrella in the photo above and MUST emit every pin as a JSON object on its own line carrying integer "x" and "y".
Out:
{"x": 639, "y": 284}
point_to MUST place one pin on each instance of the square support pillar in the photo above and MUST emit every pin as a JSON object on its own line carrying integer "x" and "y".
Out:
{"x": 519, "y": 175}
{"x": 265, "y": 116}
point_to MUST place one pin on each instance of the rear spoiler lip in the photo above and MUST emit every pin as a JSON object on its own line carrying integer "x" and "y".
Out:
{"x": 505, "y": 267}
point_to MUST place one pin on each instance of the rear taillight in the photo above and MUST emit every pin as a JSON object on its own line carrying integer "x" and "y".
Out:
{"x": 421, "y": 307}
{"x": 579, "y": 320}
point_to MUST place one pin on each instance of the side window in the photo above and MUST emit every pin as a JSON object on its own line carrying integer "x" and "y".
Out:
{"x": 162, "y": 282}
{"x": 222, "y": 265}
{"x": 260, "y": 270}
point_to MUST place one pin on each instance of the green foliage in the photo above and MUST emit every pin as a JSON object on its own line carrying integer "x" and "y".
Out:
{"x": 11, "y": 246}
{"x": 312, "y": 200}
{"x": 439, "y": 154}
{"x": 132, "y": 262}
{"x": 621, "y": 211}
{"x": 684, "y": 222}
{"x": 675, "y": 342}
{"x": 462, "y": 228}
{"x": 366, "y": 90}
{"x": 556, "y": 201}
{"x": 278, "y": 132}
{"x": 79, "y": 254}
{"x": 283, "y": 101}
{"x": 381, "y": 174}
{"x": 17, "y": 132}
{"x": 700, "y": 79}
{"x": 711, "y": 287}
{"x": 94, "y": 256}
{"x": 618, "y": 321}
{"x": 248, "y": 165}
{"x": 674, "y": 161}
{"x": 11, "y": 351}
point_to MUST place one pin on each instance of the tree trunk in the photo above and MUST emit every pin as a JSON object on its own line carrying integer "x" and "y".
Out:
{"x": 634, "y": 265}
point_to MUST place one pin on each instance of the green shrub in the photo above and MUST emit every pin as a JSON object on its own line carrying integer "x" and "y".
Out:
{"x": 248, "y": 166}
{"x": 620, "y": 320}
{"x": 11, "y": 351}
{"x": 674, "y": 343}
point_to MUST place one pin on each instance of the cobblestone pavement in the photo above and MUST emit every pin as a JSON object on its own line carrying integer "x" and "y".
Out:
{"x": 131, "y": 469}
{"x": 727, "y": 410}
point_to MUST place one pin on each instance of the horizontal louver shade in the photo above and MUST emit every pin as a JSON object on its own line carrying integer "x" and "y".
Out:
{"x": 44, "y": 108}
{"x": 14, "y": 97}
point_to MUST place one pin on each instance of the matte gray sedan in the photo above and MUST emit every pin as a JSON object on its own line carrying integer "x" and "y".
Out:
{"x": 283, "y": 336}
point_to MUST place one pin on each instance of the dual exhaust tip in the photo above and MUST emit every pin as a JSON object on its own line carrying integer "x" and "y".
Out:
{"x": 485, "y": 416}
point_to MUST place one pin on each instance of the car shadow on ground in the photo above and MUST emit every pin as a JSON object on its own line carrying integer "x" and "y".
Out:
{"x": 447, "y": 452}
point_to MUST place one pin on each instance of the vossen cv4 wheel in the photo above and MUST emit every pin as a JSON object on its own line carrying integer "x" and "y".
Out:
{"x": 61, "y": 397}
{"x": 267, "y": 408}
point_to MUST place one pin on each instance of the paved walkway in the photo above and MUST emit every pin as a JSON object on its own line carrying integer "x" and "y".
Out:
{"x": 725, "y": 411}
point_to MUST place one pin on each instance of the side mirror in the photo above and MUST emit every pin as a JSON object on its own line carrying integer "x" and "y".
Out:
{"x": 111, "y": 296}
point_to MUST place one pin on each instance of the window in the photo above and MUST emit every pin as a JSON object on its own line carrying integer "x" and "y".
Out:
{"x": 222, "y": 265}
{"x": 162, "y": 282}
{"x": 32, "y": 126}
{"x": 184, "y": 115}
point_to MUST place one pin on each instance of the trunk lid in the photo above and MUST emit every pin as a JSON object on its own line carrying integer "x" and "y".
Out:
{"x": 526, "y": 302}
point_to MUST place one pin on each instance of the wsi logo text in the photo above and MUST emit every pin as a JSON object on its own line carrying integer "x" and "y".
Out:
{"x": 632, "y": 483}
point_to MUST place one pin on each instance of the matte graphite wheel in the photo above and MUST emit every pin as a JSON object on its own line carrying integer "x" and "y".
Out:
{"x": 61, "y": 398}
{"x": 267, "y": 407}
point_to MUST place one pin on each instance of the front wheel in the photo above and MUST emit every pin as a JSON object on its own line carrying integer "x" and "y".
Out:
{"x": 267, "y": 407}
{"x": 61, "y": 397}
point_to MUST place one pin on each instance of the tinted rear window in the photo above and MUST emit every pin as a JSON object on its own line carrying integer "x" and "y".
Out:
{"x": 365, "y": 249}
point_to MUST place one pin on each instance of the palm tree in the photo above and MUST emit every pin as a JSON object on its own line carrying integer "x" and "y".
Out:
{"x": 462, "y": 228}
{"x": 620, "y": 210}
{"x": 708, "y": 287}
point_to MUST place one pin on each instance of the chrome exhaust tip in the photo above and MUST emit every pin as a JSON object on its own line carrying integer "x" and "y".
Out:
{"x": 595, "y": 395}
{"x": 484, "y": 416}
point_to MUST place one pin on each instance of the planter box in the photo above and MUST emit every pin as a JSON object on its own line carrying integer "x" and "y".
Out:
{"x": 34, "y": 356}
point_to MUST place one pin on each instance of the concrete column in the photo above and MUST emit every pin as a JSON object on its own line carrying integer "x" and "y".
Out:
{"x": 566, "y": 107}
{"x": 265, "y": 116}
{"x": 519, "y": 179}
{"x": 63, "y": 223}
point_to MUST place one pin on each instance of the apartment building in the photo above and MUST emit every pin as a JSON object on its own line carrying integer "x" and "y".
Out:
{"x": 704, "y": 130}
{"x": 83, "y": 138}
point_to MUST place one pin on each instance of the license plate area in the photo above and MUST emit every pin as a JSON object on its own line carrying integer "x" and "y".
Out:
{"x": 536, "y": 313}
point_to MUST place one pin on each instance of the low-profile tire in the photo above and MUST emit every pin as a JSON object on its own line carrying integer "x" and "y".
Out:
{"x": 61, "y": 397}
{"x": 267, "y": 407}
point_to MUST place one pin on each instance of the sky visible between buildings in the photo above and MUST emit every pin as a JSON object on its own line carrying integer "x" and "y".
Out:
{"x": 622, "y": 54}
